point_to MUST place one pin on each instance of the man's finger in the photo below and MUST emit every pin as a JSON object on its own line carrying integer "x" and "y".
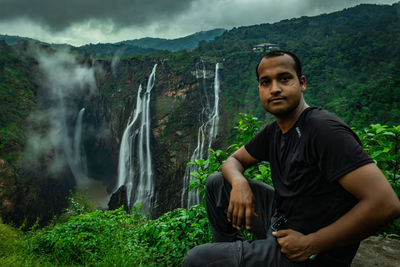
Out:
{"x": 229, "y": 212}
{"x": 240, "y": 217}
{"x": 234, "y": 215}
{"x": 249, "y": 214}
{"x": 280, "y": 233}
{"x": 254, "y": 213}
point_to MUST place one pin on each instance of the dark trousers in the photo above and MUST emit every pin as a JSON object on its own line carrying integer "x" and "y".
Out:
{"x": 229, "y": 248}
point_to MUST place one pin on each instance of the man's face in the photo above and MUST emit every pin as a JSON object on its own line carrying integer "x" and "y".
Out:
{"x": 279, "y": 88}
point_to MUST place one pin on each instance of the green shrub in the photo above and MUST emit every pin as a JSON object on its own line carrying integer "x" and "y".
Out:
{"x": 13, "y": 249}
{"x": 111, "y": 237}
{"x": 86, "y": 238}
{"x": 170, "y": 236}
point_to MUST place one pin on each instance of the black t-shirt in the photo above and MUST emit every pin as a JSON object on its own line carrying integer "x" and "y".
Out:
{"x": 306, "y": 163}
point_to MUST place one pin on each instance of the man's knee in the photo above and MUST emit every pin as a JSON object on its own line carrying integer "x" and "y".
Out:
{"x": 193, "y": 257}
{"x": 214, "y": 254}
{"x": 215, "y": 180}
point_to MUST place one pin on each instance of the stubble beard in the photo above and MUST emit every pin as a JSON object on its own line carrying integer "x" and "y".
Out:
{"x": 284, "y": 112}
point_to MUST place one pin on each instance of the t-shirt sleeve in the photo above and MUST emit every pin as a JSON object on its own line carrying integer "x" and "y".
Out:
{"x": 338, "y": 148}
{"x": 258, "y": 146}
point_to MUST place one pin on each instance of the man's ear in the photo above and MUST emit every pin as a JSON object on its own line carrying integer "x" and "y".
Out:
{"x": 303, "y": 83}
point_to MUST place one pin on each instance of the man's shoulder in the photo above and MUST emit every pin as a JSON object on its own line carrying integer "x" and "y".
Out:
{"x": 270, "y": 127}
{"x": 317, "y": 117}
{"x": 323, "y": 126}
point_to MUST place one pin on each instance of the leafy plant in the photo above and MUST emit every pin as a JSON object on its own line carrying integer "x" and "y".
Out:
{"x": 382, "y": 143}
{"x": 205, "y": 167}
{"x": 170, "y": 236}
{"x": 86, "y": 238}
{"x": 247, "y": 127}
{"x": 115, "y": 237}
{"x": 79, "y": 204}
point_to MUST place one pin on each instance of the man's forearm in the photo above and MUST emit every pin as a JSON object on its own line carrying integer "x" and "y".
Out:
{"x": 232, "y": 170}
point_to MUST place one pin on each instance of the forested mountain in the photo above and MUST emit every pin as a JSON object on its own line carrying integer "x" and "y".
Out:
{"x": 114, "y": 50}
{"x": 351, "y": 60}
{"x": 148, "y": 45}
{"x": 189, "y": 42}
{"x": 13, "y": 39}
{"x": 134, "y": 47}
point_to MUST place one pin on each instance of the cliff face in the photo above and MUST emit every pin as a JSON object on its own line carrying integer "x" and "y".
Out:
{"x": 177, "y": 100}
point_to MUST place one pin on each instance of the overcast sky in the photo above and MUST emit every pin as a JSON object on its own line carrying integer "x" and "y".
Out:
{"x": 79, "y": 22}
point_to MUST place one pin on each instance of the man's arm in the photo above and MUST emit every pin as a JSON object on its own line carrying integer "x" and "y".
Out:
{"x": 378, "y": 204}
{"x": 241, "y": 201}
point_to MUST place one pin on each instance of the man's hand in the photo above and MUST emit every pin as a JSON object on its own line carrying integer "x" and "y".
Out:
{"x": 241, "y": 202}
{"x": 294, "y": 245}
{"x": 241, "y": 205}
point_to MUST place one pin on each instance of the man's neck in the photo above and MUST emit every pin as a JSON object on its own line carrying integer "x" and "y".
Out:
{"x": 285, "y": 123}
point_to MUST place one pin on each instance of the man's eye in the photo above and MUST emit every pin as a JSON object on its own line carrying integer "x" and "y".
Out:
{"x": 264, "y": 83}
{"x": 284, "y": 79}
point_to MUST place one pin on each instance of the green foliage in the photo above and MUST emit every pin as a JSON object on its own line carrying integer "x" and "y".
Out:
{"x": 13, "y": 249}
{"x": 169, "y": 237}
{"x": 78, "y": 204}
{"x": 339, "y": 52}
{"x": 382, "y": 143}
{"x": 260, "y": 172}
{"x": 115, "y": 237}
{"x": 205, "y": 168}
{"x": 16, "y": 102}
{"x": 247, "y": 127}
{"x": 9, "y": 239}
{"x": 87, "y": 238}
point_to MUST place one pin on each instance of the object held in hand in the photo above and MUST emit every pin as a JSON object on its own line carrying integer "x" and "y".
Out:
{"x": 278, "y": 223}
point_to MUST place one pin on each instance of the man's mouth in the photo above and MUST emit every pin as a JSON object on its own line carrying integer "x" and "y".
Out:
{"x": 276, "y": 99}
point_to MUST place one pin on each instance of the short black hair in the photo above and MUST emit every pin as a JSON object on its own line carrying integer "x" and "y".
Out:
{"x": 276, "y": 53}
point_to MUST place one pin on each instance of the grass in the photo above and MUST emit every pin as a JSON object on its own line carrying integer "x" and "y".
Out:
{"x": 110, "y": 238}
{"x": 14, "y": 249}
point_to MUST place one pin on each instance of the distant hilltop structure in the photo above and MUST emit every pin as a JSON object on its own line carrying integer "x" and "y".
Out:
{"x": 265, "y": 47}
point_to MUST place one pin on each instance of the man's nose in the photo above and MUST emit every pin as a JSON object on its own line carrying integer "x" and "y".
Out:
{"x": 275, "y": 88}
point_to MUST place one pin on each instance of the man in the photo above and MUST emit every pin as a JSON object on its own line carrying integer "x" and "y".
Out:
{"x": 328, "y": 194}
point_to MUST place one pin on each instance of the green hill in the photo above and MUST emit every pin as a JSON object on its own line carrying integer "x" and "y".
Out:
{"x": 351, "y": 59}
{"x": 189, "y": 42}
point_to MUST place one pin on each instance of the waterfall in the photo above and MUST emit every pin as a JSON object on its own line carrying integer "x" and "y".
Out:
{"x": 72, "y": 147}
{"x": 125, "y": 162}
{"x": 206, "y": 135}
{"x": 79, "y": 156}
{"x": 135, "y": 166}
{"x": 65, "y": 81}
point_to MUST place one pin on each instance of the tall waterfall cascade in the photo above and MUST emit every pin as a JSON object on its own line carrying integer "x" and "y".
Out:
{"x": 134, "y": 165}
{"x": 209, "y": 118}
{"x": 79, "y": 156}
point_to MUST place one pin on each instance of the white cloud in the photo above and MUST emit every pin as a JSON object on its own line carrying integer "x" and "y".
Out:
{"x": 197, "y": 15}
